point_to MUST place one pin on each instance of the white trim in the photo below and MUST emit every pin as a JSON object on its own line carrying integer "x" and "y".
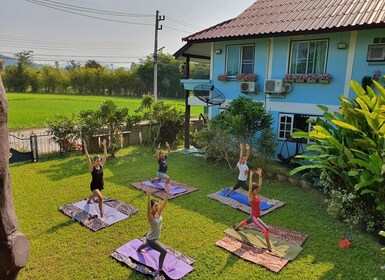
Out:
{"x": 195, "y": 101}
{"x": 212, "y": 61}
{"x": 299, "y": 108}
{"x": 349, "y": 65}
{"x": 210, "y": 111}
{"x": 291, "y": 116}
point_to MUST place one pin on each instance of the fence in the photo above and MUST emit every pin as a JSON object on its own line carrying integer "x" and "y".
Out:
{"x": 34, "y": 146}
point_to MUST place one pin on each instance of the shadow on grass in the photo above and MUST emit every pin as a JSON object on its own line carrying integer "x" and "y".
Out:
{"x": 66, "y": 169}
{"x": 61, "y": 226}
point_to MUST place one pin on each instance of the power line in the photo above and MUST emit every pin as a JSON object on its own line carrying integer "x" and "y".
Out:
{"x": 80, "y": 14}
{"x": 184, "y": 31}
{"x": 91, "y": 10}
{"x": 14, "y": 39}
{"x": 184, "y": 23}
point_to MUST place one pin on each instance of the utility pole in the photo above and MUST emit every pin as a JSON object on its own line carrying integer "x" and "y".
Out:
{"x": 157, "y": 27}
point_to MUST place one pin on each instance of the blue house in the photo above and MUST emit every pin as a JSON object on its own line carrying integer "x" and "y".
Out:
{"x": 302, "y": 53}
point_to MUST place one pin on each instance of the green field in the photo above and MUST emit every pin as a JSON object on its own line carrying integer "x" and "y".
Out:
{"x": 63, "y": 249}
{"x": 32, "y": 110}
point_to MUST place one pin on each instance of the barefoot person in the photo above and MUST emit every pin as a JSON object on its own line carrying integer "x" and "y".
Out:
{"x": 154, "y": 217}
{"x": 243, "y": 169}
{"x": 96, "y": 170}
{"x": 255, "y": 202}
{"x": 161, "y": 158}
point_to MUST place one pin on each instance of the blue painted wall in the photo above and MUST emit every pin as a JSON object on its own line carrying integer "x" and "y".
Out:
{"x": 306, "y": 94}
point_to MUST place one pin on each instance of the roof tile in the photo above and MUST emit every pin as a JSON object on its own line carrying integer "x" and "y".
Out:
{"x": 265, "y": 17}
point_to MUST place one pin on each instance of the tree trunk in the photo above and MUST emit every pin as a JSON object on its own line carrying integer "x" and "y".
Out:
{"x": 14, "y": 246}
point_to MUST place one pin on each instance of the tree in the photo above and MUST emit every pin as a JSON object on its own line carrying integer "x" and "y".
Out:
{"x": 64, "y": 132}
{"x": 72, "y": 65}
{"x": 92, "y": 64}
{"x": 114, "y": 118}
{"x": 24, "y": 58}
{"x": 244, "y": 121}
{"x": 14, "y": 246}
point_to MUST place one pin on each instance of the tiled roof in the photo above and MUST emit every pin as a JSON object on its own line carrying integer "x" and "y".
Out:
{"x": 274, "y": 17}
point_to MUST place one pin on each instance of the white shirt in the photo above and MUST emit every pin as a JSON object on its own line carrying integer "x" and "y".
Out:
{"x": 243, "y": 171}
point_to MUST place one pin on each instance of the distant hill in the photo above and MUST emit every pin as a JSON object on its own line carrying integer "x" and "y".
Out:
{"x": 13, "y": 61}
{"x": 8, "y": 60}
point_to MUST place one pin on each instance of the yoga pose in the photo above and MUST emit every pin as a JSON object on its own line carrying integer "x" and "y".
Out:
{"x": 96, "y": 170}
{"x": 243, "y": 169}
{"x": 161, "y": 158}
{"x": 255, "y": 207}
{"x": 154, "y": 217}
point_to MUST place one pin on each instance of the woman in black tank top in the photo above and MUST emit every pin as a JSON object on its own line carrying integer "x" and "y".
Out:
{"x": 96, "y": 169}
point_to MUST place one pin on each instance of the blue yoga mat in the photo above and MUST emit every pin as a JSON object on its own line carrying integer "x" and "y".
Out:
{"x": 243, "y": 199}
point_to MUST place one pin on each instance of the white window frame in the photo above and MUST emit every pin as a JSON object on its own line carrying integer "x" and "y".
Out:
{"x": 307, "y": 59}
{"x": 240, "y": 60}
{"x": 285, "y": 131}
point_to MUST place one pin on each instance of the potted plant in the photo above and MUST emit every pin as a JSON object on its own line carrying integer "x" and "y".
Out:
{"x": 223, "y": 77}
{"x": 240, "y": 77}
{"x": 299, "y": 78}
{"x": 289, "y": 78}
{"x": 324, "y": 78}
{"x": 250, "y": 77}
{"x": 311, "y": 78}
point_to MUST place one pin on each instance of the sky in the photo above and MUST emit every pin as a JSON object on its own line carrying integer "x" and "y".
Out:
{"x": 115, "y": 33}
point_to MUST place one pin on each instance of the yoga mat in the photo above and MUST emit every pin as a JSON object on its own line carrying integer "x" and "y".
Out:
{"x": 280, "y": 247}
{"x": 162, "y": 186}
{"x": 244, "y": 199}
{"x": 111, "y": 215}
{"x": 253, "y": 254}
{"x": 172, "y": 267}
{"x": 243, "y": 207}
{"x": 161, "y": 193}
{"x": 88, "y": 215}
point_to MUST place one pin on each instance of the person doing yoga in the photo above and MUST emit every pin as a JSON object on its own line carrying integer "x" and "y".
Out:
{"x": 96, "y": 169}
{"x": 154, "y": 218}
{"x": 255, "y": 207}
{"x": 161, "y": 158}
{"x": 243, "y": 169}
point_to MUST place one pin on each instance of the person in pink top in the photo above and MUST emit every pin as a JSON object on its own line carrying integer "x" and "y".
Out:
{"x": 255, "y": 202}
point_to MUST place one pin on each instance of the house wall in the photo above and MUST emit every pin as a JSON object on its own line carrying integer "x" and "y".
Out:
{"x": 271, "y": 62}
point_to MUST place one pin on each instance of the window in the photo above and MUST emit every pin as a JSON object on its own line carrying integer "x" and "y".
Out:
{"x": 289, "y": 122}
{"x": 240, "y": 59}
{"x": 376, "y": 52}
{"x": 308, "y": 57}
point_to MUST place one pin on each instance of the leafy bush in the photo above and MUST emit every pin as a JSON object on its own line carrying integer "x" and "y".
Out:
{"x": 350, "y": 145}
{"x": 243, "y": 121}
{"x": 166, "y": 121}
{"x": 64, "y": 132}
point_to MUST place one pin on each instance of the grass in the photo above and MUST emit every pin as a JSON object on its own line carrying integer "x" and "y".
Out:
{"x": 32, "y": 110}
{"x": 63, "y": 249}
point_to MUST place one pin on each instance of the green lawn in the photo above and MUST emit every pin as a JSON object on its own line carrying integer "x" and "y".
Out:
{"x": 32, "y": 110}
{"x": 63, "y": 249}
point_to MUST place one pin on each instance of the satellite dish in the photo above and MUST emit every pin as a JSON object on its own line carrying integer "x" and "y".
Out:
{"x": 209, "y": 95}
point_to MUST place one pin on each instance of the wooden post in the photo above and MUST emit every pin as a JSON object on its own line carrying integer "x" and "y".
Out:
{"x": 14, "y": 246}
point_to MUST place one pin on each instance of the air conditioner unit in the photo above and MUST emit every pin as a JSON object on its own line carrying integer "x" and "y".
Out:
{"x": 247, "y": 86}
{"x": 274, "y": 86}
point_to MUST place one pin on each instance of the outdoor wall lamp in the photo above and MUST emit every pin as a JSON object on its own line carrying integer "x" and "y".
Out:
{"x": 342, "y": 45}
{"x": 218, "y": 51}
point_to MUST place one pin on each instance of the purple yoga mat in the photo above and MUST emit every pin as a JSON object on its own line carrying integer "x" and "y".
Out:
{"x": 174, "y": 268}
{"x": 162, "y": 185}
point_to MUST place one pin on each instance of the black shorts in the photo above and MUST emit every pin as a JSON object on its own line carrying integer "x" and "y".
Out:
{"x": 242, "y": 184}
{"x": 96, "y": 188}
